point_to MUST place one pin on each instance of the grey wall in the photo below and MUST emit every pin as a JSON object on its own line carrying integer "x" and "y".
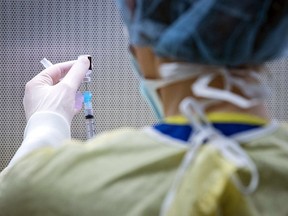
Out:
{"x": 62, "y": 30}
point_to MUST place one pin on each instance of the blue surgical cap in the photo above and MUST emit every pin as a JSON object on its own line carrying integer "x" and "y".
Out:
{"x": 215, "y": 32}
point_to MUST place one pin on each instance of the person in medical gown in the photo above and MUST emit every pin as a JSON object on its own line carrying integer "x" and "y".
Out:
{"x": 214, "y": 150}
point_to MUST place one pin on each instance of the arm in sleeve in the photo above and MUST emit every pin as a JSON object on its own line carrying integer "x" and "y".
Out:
{"x": 44, "y": 129}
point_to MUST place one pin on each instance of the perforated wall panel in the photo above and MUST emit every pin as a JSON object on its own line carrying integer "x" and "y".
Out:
{"x": 63, "y": 30}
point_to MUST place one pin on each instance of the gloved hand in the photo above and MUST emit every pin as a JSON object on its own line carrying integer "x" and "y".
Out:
{"x": 46, "y": 93}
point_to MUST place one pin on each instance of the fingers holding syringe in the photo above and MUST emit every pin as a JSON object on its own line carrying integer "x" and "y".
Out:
{"x": 52, "y": 75}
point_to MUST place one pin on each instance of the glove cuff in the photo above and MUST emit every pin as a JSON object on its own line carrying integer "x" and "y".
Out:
{"x": 51, "y": 122}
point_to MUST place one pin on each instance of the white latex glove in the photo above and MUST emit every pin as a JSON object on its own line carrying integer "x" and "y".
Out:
{"x": 50, "y": 106}
{"x": 46, "y": 93}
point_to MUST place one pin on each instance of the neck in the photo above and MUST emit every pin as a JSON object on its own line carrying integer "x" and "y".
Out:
{"x": 173, "y": 94}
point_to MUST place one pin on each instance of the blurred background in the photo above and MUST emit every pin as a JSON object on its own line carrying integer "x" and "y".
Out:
{"x": 63, "y": 30}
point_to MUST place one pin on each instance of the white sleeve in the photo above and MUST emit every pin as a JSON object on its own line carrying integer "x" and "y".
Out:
{"x": 42, "y": 130}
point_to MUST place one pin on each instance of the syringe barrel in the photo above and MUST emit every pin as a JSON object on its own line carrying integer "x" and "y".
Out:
{"x": 90, "y": 123}
{"x": 90, "y": 127}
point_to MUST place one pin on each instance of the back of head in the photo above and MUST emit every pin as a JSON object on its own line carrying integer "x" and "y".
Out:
{"x": 213, "y": 32}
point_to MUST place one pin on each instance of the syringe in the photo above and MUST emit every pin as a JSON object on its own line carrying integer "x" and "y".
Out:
{"x": 88, "y": 110}
{"x": 87, "y": 96}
